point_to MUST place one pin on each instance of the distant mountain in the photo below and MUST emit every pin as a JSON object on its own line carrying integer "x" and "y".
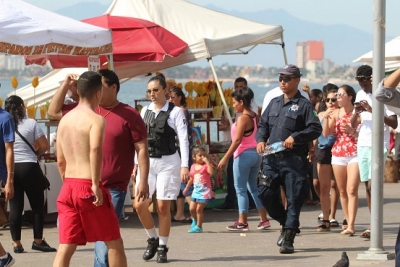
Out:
{"x": 343, "y": 44}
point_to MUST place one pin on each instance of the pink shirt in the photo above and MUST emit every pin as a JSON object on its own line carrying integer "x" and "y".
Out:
{"x": 248, "y": 142}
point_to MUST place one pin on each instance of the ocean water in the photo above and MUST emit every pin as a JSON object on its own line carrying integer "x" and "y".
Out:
{"x": 136, "y": 89}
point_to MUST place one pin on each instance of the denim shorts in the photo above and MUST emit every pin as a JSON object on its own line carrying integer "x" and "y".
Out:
{"x": 189, "y": 192}
{"x": 201, "y": 200}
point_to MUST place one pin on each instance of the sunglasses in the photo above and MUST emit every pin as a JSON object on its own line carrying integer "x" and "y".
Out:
{"x": 333, "y": 99}
{"x": 340, "y": 94}
{"x": 363, "y": 78}
{"x": 155, "y": 90}
{"x": 285, "y": 79}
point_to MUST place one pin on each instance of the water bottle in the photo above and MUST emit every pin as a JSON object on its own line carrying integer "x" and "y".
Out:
{"x": 273, "y": 148}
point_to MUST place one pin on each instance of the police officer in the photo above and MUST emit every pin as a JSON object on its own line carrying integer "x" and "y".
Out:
{"x": 289, "y": 118}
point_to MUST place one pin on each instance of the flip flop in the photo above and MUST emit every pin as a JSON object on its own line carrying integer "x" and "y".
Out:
{"x": 348, "y": 232}
{"x": 344, "y": 226}
{"x": 334, "y": 223}
{"x": 174, "y": 220}
{"x": 366, "y": 234}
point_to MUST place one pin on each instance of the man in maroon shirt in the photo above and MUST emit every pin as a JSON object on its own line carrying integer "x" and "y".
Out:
{"x": 125, "y": 133}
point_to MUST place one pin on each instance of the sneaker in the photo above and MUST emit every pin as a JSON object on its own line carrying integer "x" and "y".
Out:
{"x": 263, "y": 225}
{"x": 8, "y": 261}
{"x": 162, "y": 254}
{"x": 18, "y": 249}
{"x": 224, "y": 207}
{"x": 195, "y": 229}
{"x": 152, "y": 245}
{"x": 44, "y": 247}
{"x": 238, "y": 226}
{"x": 194, "y": 223}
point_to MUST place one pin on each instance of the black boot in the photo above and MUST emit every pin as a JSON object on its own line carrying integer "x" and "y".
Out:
{"x": 288, "y": 240}
{"x": 162, "y": 254}
{"x": 152, "y": 245}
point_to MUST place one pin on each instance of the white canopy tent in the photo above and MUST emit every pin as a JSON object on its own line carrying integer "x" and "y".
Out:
{"x": 392, "y": 61}
{"x": 29, "y": 30}
{"x": 207, "y": 32}
{"x": 392, "y": 55}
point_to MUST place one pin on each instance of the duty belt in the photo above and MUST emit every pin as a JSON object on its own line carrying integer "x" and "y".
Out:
{"x": 284, "y": 154}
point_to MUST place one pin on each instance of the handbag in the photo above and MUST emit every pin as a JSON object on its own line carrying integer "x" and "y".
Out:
{"x": 46, "y": 182}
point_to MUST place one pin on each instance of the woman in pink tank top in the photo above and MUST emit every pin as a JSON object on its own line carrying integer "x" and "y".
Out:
{"x": 247, "y": 161}
{"x": 344, "y": 155}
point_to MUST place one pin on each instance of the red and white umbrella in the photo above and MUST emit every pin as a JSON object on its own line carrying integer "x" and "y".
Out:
{"x": 133, "y": 40}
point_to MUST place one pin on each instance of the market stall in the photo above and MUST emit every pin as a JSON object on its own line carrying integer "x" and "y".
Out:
{"x": 28, "y": 30}
{"x": 207, "y": 32}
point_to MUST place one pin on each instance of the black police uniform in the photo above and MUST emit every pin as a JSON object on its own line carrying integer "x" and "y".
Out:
{"x": 296, "y": 118}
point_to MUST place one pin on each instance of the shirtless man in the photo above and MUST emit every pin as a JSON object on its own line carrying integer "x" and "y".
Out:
{"x": 83, "y": 199}
{"x": 125, "y": 134}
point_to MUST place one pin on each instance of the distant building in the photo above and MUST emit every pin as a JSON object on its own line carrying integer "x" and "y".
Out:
{"x": 12, "y": 62}
{"x": 309, "y": 51}
{"x": 318, "y": 68}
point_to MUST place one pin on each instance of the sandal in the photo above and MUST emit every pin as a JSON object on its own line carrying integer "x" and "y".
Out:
{"x": 323, "y": 227}
{"x": 334, "y": 223}
{"x": 344, "y": 226}
{"x": 366, "y": 234}
{"x": 348, "y": 232}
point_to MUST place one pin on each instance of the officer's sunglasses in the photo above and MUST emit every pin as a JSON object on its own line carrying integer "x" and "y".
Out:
{"x": 285, "y": 79}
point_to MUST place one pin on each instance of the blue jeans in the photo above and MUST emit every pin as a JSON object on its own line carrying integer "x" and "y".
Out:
{"x": 100, "y": 249}
{"x": 245, "y": 169}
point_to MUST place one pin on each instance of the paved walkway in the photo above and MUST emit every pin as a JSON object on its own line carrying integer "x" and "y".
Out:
{"x": 218, "y": 247}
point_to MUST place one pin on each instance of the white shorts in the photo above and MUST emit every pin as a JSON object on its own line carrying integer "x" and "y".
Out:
{"x": 164, "y": 177}
{"x": 343, "y": 161}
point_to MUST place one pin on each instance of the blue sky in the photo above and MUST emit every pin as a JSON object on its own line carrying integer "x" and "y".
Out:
{"x": 355, "y": 13}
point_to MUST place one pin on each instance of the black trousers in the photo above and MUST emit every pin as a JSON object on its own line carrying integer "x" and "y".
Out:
{"x": 28, "y": 179}
{"x": 290, "y": 172}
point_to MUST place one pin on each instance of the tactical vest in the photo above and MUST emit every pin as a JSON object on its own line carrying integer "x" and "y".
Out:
{"x": 160, "y": 136}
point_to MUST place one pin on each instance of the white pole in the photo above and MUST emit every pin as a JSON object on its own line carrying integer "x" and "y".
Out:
{"x": 221, "y": 93}
{"x": 376, "y": 251}
{"x": 111, "y": 62}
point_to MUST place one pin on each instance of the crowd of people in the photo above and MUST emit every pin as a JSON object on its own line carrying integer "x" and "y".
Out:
{"x": 103, "y": 143}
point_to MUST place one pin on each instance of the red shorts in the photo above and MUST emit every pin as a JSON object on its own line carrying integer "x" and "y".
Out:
{"x": 79, "y": 220}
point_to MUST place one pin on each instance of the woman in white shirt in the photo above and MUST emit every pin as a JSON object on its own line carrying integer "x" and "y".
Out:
{"x": 28, "y": 177}
{"x": 165, "y": 123}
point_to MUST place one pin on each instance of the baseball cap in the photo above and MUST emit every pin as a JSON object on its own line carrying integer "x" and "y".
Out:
{"x": 290, "y": 70}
